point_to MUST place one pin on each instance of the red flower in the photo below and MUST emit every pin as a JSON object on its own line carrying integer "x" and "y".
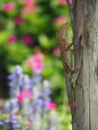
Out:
{"x": 18, "y": 20}
{"x": 9, "y": 7}
{"x": 28, "y": 39}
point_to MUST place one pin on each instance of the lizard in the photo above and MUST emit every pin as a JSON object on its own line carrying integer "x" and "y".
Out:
{"x": 65, "y": 48}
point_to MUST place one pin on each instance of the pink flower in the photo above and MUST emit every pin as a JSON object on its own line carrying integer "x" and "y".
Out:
{"x": 28, "y": 9}
{"x": 60, "y": 20}
{"x": 28, "y": 2}
{"x": 56, "y": 51}
{"x": 18, "y": 20}
{"x": 51, "y": 106}
{"x": 25, "y": 94}
{"x": 70, "y": 1}
{"x": 9, "y": 7}
{"x": 28, "y": 39}
{"x": 12, "y": 39}
{"x": 64, "y": 2}
{"x": 36, "y": 62}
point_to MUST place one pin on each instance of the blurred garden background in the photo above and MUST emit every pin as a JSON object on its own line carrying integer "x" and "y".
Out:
{"x": 32, "y": 85}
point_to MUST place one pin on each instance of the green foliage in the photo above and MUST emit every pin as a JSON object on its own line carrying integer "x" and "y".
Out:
{"x": 3, "y": 117}
{"x": 42, "y": 26}
{"x": 22, "y": 54}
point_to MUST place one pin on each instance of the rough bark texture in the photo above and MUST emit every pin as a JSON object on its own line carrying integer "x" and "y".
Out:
{"x": 85, "y": 26}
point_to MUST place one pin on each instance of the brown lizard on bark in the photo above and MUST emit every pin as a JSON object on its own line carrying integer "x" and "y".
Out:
{"x": 65, "y": 49}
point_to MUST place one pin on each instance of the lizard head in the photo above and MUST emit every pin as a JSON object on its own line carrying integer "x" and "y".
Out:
{"x": 65, "y": 33}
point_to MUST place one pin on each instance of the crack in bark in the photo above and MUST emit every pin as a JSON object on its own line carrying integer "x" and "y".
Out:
{"x": 85, "y": 44}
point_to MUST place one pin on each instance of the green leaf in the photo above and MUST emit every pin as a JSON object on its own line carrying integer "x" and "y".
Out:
{"x": 3, "y": 36}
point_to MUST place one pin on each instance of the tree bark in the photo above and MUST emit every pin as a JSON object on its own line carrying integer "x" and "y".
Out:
{"x": 85, "y": 30}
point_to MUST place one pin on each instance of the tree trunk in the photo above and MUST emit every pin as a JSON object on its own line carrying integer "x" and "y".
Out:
{"x": 85, "y": 29}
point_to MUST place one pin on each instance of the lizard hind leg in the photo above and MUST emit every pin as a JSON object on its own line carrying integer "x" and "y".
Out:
{"x": 69, "y": 46}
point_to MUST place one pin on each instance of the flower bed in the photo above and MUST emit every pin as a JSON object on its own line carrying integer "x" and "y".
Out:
{"x": 30, "y": 106}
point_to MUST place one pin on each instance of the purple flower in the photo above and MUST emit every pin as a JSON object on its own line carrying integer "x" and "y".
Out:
{"x": 40, "y": 95}
{"x": 18, "y": 70}
{"x": 46, "y": 84}
{"x": 40, "y": 102}
{"x": 14, "y": 104}
{"x": 28, "y": 39}
{"x": 1, "y": 123}
{"x": 10, "y": 77}
{"x": 48, "y": 100}
{"x": 16, "y": 125}
{"x": 7, "y": 120}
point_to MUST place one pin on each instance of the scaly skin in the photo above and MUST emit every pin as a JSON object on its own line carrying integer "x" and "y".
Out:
{"x": 65, "y": 49}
